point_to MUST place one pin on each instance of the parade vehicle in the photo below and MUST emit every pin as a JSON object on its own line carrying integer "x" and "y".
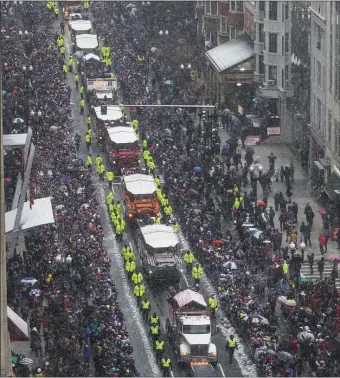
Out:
{"x": 70, "y": 7}
{"x": 201, "y": 369}
{"x": 79, "y": 27}
{"x": 189, "y": 328}
{"x": 106, "y": 116}
{"x": 140, "y": 196}
{"x": 159, "y": 249}
{"x": 86, "y": 42}
{"x": 122, "y": 149}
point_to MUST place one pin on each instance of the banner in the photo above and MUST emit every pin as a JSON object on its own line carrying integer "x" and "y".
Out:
{"x": 252, "y": 140}
{"x": 273, "y": 131}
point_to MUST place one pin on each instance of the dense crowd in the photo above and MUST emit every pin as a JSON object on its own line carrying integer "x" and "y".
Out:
{"x": 294, "y": 330}
{"x": 68, "y": 297}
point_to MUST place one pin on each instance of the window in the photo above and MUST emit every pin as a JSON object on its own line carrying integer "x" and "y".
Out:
{"x": 261, "y": 64}
{"x": 223, "y": 24}
{"x": 272, "y": 43}
{"x": 286, "y": 42}
{"x": 208, "y": 7}
{"x": 283, "y": 13}
{"x": 318, "y": 34}
{"x": 337, "y": 138}
{"x": 214, "y": 8}
{"x": 236, "y": 6}
{"x": 287, "y": 72}
{"x": 313, "y": 70}
{"x": 196, "y": 329}
{"x": 314, "y": 110}
{"x": 232, "y": 33}
{"x": 318, "y": 114}
{"x": 261, "y": 33}
{"x": 287, "y": 12}
{"x": 282, "y": 78}
{"x": 262, "y": 6}
{"x": 331, "y": 63}
{"x": 199, "y": 3}
{"x": 318, "y": 78}
{"x": 272, "y": 73}
{"x": 273, "y": 10}
{"x": 329, "y": 126}
{"x": 337, "y": 79}
{"x": 282, "y": 46}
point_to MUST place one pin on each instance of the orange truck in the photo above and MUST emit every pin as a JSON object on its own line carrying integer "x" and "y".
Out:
{"x": 140, "y": 196}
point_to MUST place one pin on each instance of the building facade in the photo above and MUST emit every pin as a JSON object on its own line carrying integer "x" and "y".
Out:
{"x": 325, "y": 95}
{"x": 267, "y": 25}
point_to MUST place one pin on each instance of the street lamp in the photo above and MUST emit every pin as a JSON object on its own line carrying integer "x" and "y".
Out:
{"x": 161, "y": 32}
{"x": 20, "y": 33}
{"x": 182, "y": 66}
{"x": 260, "y": 168}
{"x": 32, "y": 113}
{"x": 26, "y": 32}
{"x": 238, "y": 84}
{"x": 68, "y": 259}
{"x": 58, "y": 258}
{"x": 148, "y": 3}
{"x": 143, "y": 3}
{"x": 292, "y": 246}
{"x": 189, "y": 66}
{"x": 39, "y": 114}
{"x": 166, "y": 32}
{"x": 23, "y": 68}
{"x": 30, "y": 68}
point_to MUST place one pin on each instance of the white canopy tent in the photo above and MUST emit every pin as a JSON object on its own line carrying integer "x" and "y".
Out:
{"x": 87, "y": 41}
{"x": 14, "y": 141}
{"x": 40, "y": 214}
{"x": 17, "y": 321}
{"x": 122, "y": 134}
{"x": 80, "y": 25}
{"x": 139, "y": 184}
{"x": 159, "y": 236}
{"x": 101, "y": 95}
{"x": 113, "y": 113}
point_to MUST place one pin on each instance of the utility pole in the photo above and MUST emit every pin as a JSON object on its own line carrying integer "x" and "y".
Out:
{"x": 5, "y": 355}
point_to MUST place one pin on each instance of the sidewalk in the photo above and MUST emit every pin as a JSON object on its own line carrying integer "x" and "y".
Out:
{"x": 301, "y": 190}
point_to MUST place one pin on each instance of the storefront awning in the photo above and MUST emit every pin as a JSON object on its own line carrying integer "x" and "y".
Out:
{"x": 17, "y": 321}
{"x": 230, "y": 54}
{"x": 333, "y": 186}
{"x": 40, "y": 214}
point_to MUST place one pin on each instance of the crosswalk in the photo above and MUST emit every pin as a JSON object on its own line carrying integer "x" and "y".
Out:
{"x": 305, "y": 272}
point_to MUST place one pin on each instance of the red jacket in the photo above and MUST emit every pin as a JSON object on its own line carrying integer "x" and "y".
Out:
{"x": 322, "y": 239}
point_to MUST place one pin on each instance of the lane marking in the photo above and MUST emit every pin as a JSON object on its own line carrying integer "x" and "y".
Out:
{"x": 220, "y": 366}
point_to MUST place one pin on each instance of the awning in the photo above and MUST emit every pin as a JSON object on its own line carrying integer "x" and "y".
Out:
{"x": 80, "y": 25}
{"x": 14, "y": 141}
{"x": 122, "y": 134}
{"x": 40, "y": 214}
{"x": 140, "y": 184}
{"x": 159, "y": 236}
{"x": 17, "y": 321}
{"x": 318, "y": 164}
{"x": 113, "y": 113}
{"x": 333, "y": 183}
{"x": 230, "y": 54}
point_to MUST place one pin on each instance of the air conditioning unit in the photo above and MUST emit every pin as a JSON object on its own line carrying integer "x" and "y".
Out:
{"x": 271, "y": 83}
{"x": 103, "y": 109}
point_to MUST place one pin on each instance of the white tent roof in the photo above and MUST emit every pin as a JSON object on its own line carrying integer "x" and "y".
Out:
{"x": 20, "y": 323}
{"x": 80, "y": 25}
{"x": 187, "y": 296}
{"x": 40, "y": 214}
{"x": 14, "y": 141}
{"x": 140, "y": 184}
{"x": 122, "y": 134}
{"x": 87, "y": 41}
{"x": 159, "y": 236}
{"x": 113, "y": 113}
{"x": 230, "y": 54}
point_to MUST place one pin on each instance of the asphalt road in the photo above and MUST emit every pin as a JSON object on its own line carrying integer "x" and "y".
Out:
{"x": 138, "y": 332}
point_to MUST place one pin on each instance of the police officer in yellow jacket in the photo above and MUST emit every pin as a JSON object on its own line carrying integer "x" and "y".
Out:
{"x": 197, "y": 273}
{"x": 166, "y": 366}
{"x": 137, "y": 277}
{"x": 139, "y": 292}
{"x": 130, "y": 267}
{"x": 145, "y": 306}
{"x": 159, "y": 347}
{"x": 231, "y": 346}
